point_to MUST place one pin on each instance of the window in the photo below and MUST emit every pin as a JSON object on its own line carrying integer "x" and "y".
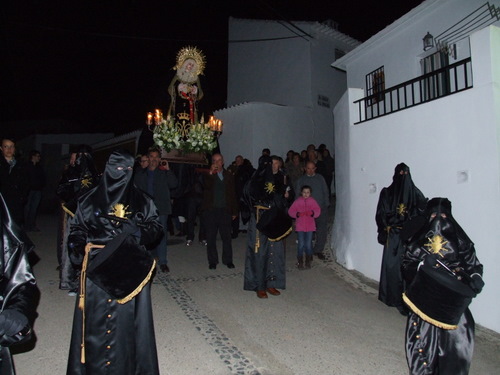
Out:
{"x": 375, "y": 85}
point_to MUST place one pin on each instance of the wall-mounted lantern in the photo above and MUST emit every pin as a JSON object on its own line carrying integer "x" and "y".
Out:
{"x": 428, "y": 41}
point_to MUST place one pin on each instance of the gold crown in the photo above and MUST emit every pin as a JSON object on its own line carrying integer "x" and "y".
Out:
{"x": 194, "y": 53}
{"x": 183, "y": 116}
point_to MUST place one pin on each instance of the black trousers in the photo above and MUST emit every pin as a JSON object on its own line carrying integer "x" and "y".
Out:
{"x": 192, "y": 205}
{"x": 218, "y": 220}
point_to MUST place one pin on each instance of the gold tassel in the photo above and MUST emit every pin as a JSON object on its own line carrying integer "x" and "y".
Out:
{"x": 283, "y": 236}
{"x": 257, "y": 241}
{"x": 81, "y": 301}
{"x": 388, "y": 230}
{"x": 257, "y": 217}
{"x": 137, "y": 290}
{"x": 67, "y": 210}
{"x": 426, "y": 317}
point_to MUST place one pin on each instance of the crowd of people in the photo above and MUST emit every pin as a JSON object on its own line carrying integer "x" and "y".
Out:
{"x": 429, "y": 271}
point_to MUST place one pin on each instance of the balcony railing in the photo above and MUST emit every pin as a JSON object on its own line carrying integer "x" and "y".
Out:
{"x": 431, "y": 86}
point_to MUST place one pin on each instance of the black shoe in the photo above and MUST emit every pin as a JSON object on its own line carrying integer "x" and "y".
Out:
{"x": 164, "y": 268}
{"x": 320, "y": 256}
{"x": 230, "y": 265}
{"x": 212, "y": 266}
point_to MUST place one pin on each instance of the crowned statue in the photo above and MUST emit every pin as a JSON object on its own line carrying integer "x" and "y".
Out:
{"x": 185, "y": 88}
{"x": 182, "y": 131}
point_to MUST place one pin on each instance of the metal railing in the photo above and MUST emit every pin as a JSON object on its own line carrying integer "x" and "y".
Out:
{"x": 431, "y": 86}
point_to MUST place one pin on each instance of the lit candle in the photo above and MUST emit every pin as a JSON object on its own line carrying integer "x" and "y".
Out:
{"x": 158, "y": 117}
{"x": 149, "y": 119}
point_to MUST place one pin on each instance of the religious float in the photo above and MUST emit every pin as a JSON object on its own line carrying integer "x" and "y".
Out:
{"x": 182, "y": 135}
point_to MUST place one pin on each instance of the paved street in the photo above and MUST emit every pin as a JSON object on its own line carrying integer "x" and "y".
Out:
{"x": 327, "y": 321}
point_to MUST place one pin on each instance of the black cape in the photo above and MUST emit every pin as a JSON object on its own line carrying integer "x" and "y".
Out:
{"x": 429, "y": 348}
{"x": 265, "y": 253}
{"x": 119, "y": 337}
{"x": 75, "y": 181}
{"x": 18, "y": 286}
{"x": 398, "y": 204}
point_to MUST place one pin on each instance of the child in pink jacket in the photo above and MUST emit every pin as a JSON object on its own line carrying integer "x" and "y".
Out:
{"x": 305, "y": 209}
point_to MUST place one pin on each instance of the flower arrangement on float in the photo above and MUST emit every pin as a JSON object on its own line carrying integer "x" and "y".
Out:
{"x": 167, "y": 136}
{"x": 198, "y": 138}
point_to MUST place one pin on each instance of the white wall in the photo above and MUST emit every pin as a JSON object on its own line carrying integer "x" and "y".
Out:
{"x": 273, "y": 71}
{"x": 250, "y": 127}
{"x": 399, "y": 48}
{"x": 288, "y": 74}
{"x": 438, "y": 140}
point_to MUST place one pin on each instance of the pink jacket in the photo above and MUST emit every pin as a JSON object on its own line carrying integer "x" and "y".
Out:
{"x": 305, "y": 211}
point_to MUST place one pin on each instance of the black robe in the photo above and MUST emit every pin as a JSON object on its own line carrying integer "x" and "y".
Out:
{"x": 119, "y": 338}
{"x": 18, "y": 286}
{"x": 431, "y": 349}
{"x": 398, "y": 203}
{"x": 265, "y": 258}
{"x": 75, "y": 181}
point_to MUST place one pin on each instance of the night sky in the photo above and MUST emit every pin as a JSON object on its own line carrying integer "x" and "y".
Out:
{"x": 100, "y": 66}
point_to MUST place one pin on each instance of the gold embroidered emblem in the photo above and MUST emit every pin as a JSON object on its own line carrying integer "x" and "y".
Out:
{"x": 86, "y": 182}
{"x": 436, "y": 245}
{"x": 401, "y": 209}
{"x": 119, "y": 210}
{"x": 183, "y": 125}
{"x": 270, "y": 188}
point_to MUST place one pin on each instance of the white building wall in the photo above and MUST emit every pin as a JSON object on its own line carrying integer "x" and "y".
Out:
{"x": 441, "y": 141}
{"x": 250, "y": 127}
{"x": 267, "y": 69}
{"x": 289, "y": 74}
{"x": 399, "y": 48}
{"x": 327, "y": 87}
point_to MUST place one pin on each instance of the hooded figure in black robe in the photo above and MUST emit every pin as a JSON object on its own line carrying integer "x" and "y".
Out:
{"x": 76, "y": 180}
{"x": 19, "y": 293}
{"x": 433, "y": 345}
{"x": 118, "y": 336}
{"x": 269, "y": 224}
{"x": 398, "y": 203}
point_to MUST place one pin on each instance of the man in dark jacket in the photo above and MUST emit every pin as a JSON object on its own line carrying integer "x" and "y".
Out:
{"x": 157, "y": 180}
{"x": 218, "y": 208}
{"x": 14, "y": 183}
{"x": 36, "y": 178}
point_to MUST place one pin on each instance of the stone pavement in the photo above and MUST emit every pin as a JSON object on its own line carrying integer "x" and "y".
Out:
{"x": 327, "y": 321}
